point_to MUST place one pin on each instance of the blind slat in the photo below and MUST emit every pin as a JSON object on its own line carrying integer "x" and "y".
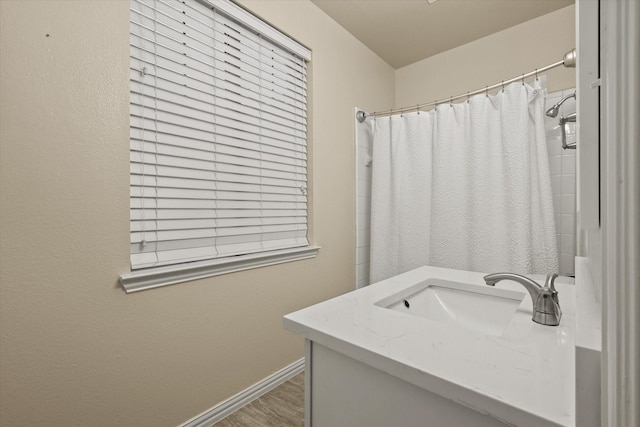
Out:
{"x": 256, "y": 233}
{"x": 198, "y": 148}
{"x": 210, "y": 28}
{"x": 217, "y": 136}
{"x": 170, "y": 81}
{"x": 218, "y": 54}
{"x": 249, "y": 158}
{"x": 153, "y": 159}
{"x": 199, "y": 74}
{"x": 202, "y": 141}
{"x": 169, "y": 101}
{"x": 195, "y": 129}
{"x": 216, "y": 249}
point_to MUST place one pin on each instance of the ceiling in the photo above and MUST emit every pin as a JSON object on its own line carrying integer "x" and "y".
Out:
{"x": 402, "y": 32}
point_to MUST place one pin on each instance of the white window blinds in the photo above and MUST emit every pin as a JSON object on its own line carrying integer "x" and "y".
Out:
{"x": 218, "y": 136}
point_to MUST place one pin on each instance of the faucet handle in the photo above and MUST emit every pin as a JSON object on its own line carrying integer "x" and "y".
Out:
{"x": 549, "y": 283}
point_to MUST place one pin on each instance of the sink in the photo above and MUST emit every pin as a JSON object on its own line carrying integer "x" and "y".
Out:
{"x": 478, "y": 308}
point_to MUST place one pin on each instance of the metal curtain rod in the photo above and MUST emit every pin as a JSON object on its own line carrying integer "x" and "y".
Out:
{"x": 568, "y": 61}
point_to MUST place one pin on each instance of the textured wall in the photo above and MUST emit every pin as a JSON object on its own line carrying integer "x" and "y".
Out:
{"x": 484, "y": 62}
{"x": 75, "y": 349}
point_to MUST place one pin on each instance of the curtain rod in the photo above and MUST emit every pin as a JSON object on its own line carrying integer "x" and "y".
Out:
{"x": 568, "y": 61}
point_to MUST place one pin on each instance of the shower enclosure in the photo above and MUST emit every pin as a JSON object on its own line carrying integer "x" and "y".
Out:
{"x": 563, "y": 182}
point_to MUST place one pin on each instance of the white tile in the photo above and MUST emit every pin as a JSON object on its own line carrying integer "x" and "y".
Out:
{"x": 362, "y": 238}
{"x": 363, "y": 190}
{"x": 552, "y": 98}
{"x": 567, "y": 224}
{"x": 557, "y": 203}
{"x": 555, "y": 165}
{"x": 568, "y": 204}
{"x": 568, "y": 184}
{"x": 363, "y": 174}
{"x": 551, "y": 126}
{"x": 556, "y": 184}
{"x": 362, "y": 271}
{"x": 569, "y": 153}
{"x": 568, "y": 162}
{"x": 554, "y": 145}
{"x": 568, "y": 106}
{"x": 363, "y": 205}
{"x": 362, "y": 225}
{"x": 567, "y": 264}
{"x": 567, "y": 244}
{"x": 362, "y": 255}
{"x": 363, "y": 282}
{"x": 363, "y": 221}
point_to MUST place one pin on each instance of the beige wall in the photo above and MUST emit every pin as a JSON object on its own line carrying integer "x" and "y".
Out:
{"x": 486, "y": 61}
{"x": 75, "y": 349}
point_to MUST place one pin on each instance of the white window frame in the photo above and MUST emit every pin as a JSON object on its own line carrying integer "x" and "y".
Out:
{"x": 148, "y": 278}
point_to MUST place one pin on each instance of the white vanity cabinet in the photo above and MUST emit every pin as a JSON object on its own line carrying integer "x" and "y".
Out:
{"x": 344, "y": 392}
{"x": 371, "y": 366}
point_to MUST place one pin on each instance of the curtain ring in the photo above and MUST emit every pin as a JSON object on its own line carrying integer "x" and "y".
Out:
{"x": 435, "y": 105}
{"x": 467, "y": 97}
{"x": 502, "y": 84}
{"x": 536, "y": 74}
{"x": 451, "y": 101}
{"x": 523, "y": 80}
{"x": 486, "y": 91}
{"x": 418, "y": 108}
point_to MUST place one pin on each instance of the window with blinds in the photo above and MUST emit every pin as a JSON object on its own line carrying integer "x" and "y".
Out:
{"x": 218, "y": 135}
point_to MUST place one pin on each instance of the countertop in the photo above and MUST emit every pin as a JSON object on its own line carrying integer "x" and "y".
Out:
{"x": 524, "y": 377}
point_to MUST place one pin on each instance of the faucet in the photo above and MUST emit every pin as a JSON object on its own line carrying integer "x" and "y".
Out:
{"x": 546, "y": 306}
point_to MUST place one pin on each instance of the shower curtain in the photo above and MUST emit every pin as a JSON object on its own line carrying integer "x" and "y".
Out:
{"x": 464, "y": 186}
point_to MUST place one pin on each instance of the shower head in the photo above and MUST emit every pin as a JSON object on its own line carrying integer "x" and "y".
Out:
{"x": 553, "y": 111}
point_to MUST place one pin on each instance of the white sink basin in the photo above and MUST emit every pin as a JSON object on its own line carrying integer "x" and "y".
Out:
{"x": 478, "y": 308}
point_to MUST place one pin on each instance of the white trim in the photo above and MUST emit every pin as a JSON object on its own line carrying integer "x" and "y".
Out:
{"x": 308, "y": 354}
{"x": 587, "y": 126}
{"x": 155, "y": 277}
{"x": 620, "y": 212}
{"x": 259, "y": 26}
{"x": 228, "y": 407}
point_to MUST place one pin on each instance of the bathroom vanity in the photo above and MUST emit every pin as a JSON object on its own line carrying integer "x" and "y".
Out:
{"x": 437, "y": 347}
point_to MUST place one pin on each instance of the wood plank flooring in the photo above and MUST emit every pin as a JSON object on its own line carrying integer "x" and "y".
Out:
{"x": 281, "y": 407}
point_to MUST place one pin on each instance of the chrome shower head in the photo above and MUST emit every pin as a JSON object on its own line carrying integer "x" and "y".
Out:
{"x": 553, "y": 111}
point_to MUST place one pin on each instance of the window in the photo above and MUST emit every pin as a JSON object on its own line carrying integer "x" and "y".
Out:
{"x": 218, "y": 143}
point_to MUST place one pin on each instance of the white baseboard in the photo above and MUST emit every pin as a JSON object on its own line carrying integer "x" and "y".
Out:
{"x": 231, "y": 405}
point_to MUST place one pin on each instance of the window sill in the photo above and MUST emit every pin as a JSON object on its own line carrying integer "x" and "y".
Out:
{"x": 150, "y": 278}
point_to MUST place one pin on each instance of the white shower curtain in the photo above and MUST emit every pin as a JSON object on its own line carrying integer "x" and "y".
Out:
{"x": 465, "y": 186}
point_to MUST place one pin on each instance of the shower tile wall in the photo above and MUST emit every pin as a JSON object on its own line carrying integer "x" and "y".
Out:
{"x": 562, "y": 165}
{"x": 364, "y": 149}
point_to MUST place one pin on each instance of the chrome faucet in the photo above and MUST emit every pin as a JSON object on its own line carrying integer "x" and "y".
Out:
{"x": 546, "y": 306}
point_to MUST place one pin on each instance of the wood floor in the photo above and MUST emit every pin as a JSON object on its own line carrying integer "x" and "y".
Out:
{"x": 281, "y": 407}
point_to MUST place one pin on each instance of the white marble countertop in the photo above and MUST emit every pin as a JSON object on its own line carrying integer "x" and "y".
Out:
{"x": 524, "y": 377}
